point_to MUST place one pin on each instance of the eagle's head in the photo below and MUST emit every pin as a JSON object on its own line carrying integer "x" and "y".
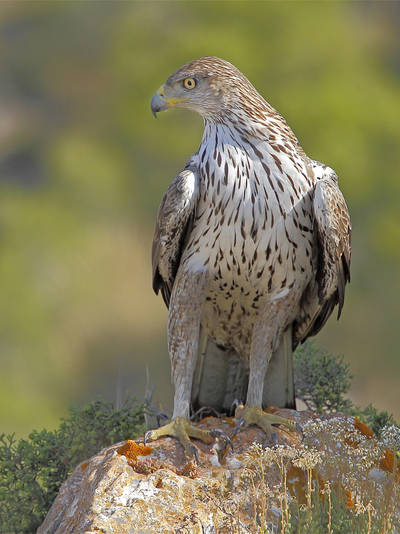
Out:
{"x": 210, "y": 86}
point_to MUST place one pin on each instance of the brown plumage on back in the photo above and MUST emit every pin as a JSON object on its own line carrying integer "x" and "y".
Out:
{"x": 251, "y": 249}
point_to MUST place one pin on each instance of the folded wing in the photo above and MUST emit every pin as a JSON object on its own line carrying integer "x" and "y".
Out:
{"x": 174, "y": 222}
{"x": 333, "y": 232}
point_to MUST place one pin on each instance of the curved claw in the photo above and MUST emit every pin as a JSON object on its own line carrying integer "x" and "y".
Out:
{"x": 221, "y": 445}
{"x": 147, "y": 437}
{"x": 240, "y": 424}
{"x": 219, "y": 435}
{"x": 161, "y": 417}
{"x": 235, "y": 404}
{"x": 193, "y": 450}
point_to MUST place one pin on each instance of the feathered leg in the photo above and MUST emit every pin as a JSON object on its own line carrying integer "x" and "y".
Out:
{"x": 183, "y": 336}
{"x": 222, "y": 377}
{"x": 266, "y": 334}
{"x": 183, "y": 341}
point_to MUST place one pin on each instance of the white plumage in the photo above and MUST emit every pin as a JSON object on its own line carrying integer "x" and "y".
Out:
{"x": 252, "y": 245}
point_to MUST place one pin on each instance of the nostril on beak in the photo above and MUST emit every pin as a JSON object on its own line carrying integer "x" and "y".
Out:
{"x": 157, "y": 103}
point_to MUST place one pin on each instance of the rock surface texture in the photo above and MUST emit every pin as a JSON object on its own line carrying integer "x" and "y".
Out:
{"x": 133, "y": 488}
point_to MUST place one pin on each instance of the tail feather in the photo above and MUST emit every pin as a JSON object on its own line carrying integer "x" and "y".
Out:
{"x": 221, "y": 377}
{"x": 279, "y": 379}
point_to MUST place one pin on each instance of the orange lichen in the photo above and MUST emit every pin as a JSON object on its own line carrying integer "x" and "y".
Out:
{"x": 363, "y": 429}
{"x": 349, "y": 500}
{"x": 390, "y": 463}
{"x": 131, "y": 450}
{"x": 189, "y": 469}
{"x": 296, "y": 480}
{"x": 145, "y": 466}
{"x": 84, "y": 465}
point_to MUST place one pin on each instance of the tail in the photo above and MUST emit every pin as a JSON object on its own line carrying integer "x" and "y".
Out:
{"x": 279, "y": 380}
{"x": 221, "y": 377}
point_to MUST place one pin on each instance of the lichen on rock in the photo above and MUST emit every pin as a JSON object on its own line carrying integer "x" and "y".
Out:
{"x": 132, "y": 488}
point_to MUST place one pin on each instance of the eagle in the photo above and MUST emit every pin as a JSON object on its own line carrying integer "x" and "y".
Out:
{"x": 251, "y": 253}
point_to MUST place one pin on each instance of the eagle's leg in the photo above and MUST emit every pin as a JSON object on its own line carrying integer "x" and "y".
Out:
{"x": 264, "y": 341}
{"x": 183, "y": 340}
{"x": 181, "y": 429}
{"x": 255, "y": 415}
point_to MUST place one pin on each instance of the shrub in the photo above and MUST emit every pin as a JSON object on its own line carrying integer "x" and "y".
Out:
{"x": 321, "y": 379}
{"x": 32, "y": 470}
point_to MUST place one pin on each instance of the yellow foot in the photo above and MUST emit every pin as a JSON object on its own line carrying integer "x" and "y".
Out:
{"x": 183, "y": 430}
{"x": 255, "y": 415}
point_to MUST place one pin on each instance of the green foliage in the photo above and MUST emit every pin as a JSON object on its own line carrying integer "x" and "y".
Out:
{"x": 343, "y": 519}
{"x": 375, "y": 419}
{"x": 321, "y": 379}
{"x": 32, "y": 470}
{"x": 337, "y": 493}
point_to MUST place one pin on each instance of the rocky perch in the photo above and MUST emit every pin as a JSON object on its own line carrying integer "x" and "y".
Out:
{"x": 133, "y": 488}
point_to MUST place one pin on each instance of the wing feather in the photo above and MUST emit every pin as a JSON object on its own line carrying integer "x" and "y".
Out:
{"x": 334, "y": 239}
{"x": 333, "y": 232}
{"x": 175, "y": 219}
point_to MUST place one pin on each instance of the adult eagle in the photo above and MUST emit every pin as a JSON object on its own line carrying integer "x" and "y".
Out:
{"x": 251, "y": 251}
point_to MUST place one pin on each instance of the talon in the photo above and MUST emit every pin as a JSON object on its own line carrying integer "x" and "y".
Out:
{"x": 147, "y": 437}
{"x": 181, "y": 429}
{"x": 193, "y": 450}
{"x": 240, "y": 424}
{"x": 221, "y": 445}
{"x": 235, "y": 404}
{"x": 219, "y": 435}
{"x": 255, "y": 415}
{"x": 161, "y": 417}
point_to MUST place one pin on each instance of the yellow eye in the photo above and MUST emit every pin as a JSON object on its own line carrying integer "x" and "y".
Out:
{"x": 189, "y": 83}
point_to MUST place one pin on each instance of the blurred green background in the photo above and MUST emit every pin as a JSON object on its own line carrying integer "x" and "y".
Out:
{"x": 83, "y": 166}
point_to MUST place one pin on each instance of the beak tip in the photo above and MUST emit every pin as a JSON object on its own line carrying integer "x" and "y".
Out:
{"x": 157, "y": 104}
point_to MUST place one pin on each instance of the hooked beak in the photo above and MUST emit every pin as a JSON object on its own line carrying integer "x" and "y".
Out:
{"x": 160, "y": 103}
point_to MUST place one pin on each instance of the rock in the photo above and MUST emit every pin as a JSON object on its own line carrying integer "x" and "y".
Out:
{"x": 133, "y": 488}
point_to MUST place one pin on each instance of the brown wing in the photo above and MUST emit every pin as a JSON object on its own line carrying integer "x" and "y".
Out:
{"x": 333, "y": 231}
{"x": 174, "y": 222}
